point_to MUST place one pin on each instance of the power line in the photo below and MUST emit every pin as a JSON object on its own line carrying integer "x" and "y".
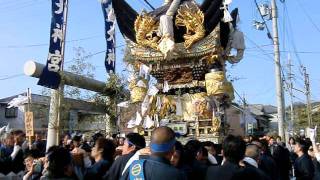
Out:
{"x": 264, "y": 22}
{"x": 85, "y": 57}
{"x": 9, "y": 2}
{"x": 11, "y": 77}
{"x": 288, "y": 51}
{"x": 268, "y": 55}
{"x": 260, "y": 46}
{"x": 94, "y": 54}
{"x": 292, "y": 38}
{"x": 308, "y": 16}
{"x": 17, "y": 7}
{"x": 146, "y": 1}
{"x": 143, "y": 3}
{"x": 45, "y": 44}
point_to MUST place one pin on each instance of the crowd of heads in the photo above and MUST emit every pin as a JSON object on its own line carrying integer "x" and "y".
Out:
{"x": 82, "y": 157}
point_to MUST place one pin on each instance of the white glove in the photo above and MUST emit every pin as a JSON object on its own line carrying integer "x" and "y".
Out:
{"x": 16, "y": 149}
{"x": 312, "y": 133}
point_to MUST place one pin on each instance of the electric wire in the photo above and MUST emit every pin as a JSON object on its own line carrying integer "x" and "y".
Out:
{"x": 11, "y": 76}
{"x": 46, "y": 44}
{"x": 308, "y": 16}
{"x": 264, "y": 21}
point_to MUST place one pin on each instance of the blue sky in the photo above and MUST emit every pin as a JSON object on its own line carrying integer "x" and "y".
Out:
{"x": 25, "y": 23}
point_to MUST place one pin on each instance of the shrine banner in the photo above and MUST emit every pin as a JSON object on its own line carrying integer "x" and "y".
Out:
{"x": 50, "y": 75}
{"x": 110, "y": 18}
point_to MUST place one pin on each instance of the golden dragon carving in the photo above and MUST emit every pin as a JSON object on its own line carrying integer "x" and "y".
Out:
{"x": 190, "y": 16}
{"x": 146, "y": 28}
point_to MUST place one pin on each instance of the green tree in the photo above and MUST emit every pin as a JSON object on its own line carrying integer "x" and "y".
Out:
{"x": 116, "y": 91}
{"x": 80, "y": 66}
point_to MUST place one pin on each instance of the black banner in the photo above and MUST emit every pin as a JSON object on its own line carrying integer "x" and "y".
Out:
{"x": 50, "y": 75}
{"x": 110, "y": 18}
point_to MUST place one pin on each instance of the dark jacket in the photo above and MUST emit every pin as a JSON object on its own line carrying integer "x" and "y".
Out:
{"x": 303, "y": 168}
{"x": 156, "y": 168}
{"x": 268, "y": 166}
{"x": 97, "y": 170}
{"x": 117, "y": 167}
{"x": 18, "y": 163}
{"x": 224, "y": 172}
{"x": 281, "y": 156}
{"x": 250, "y": 172}
{"x": 316, "y": 165}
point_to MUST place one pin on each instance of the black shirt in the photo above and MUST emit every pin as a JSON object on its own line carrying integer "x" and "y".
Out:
{"x": 225, "y": 172}
{"x": 157, "y": 168}
{"x": 115, "y": 171}
{"x": 303, "y": 168}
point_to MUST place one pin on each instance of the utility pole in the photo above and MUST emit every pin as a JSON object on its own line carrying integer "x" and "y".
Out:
{"x": 245, "y": 107}
{"x": 307, "y": 93}
{"x": 279, "y": 87}
{"x": 57, "y": 95}
{"x": 290, "y": 87}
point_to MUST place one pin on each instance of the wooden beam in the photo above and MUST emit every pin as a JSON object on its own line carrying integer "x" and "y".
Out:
{"x": 34, "y": 69}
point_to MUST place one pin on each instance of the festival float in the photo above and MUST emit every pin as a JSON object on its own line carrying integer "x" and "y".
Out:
{"x": 177, "y": 56}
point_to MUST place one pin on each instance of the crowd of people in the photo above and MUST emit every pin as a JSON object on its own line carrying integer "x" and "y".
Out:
{"x": 162, "y": 157}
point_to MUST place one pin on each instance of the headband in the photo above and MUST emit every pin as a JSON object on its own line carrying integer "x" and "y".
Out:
{"x": 165, "y": 147}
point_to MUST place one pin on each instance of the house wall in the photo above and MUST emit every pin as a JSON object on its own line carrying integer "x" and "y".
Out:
{"x": 233, "y": 119}
{"x": 273, "y": 124}
{"x": 91, "y": 123}
{"x": 15, "y": 123}
{"x": 40, "y": 115}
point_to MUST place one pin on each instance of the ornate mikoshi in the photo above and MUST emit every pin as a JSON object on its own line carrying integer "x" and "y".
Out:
{"x": 184, "y": 46}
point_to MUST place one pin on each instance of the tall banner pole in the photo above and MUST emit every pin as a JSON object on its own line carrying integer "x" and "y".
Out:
{"x": 57, "y": 94}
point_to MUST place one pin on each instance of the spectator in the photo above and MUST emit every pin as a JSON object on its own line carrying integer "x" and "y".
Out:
{"x": 278, "y": 140}
{"x": 303, "y": 166}
{"x": 316, "y": 164}
{"x": 212, "y": 153}
{"x": 291, "y": 144}
{"x": 103, "y": 154}
{"x": 251, "y": 171}
{"x": 196, "y": 169}
{"x": 281, "y": 156}
{"x": 17, "y": 154}
{"x": 132, "y": 144}
{"x": 80, "y": 156}
{"x": 177, "y": 157}
{"x": 267, "y": 163}
{"x": 5, "y": 151}
{"x": 158, "y": 165}
{"x": 66, "y": 142}
{"x": 202, "y": 156}
{"x": 59, "y": 164}
{"x": 233, "y": 152}
{"x": 33, "y": 166}
{"x": 39, "y": 144}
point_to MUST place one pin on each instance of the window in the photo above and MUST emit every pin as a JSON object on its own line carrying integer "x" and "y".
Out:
{"x": 11, "y": 112}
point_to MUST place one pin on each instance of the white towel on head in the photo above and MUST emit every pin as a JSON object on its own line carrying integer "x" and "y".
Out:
{"x": 251, "y": 161}
{"x": 212, "y": 159}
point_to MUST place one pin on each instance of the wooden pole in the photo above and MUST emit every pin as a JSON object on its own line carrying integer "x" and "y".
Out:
{"x": 57, "y": 95}
{"x": 34, "y": 69}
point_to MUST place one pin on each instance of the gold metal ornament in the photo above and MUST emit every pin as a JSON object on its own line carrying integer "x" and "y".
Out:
{"x": 190, "y": 16}
{"x": 137, "y": 94}
{"x": 215, "y": 83}
{"x": 216, "y": 123}
{"x": 229, "y": 90}
{"x": 146, "y": 27}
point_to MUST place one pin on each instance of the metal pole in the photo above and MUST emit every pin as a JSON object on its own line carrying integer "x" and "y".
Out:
{"x": 291, "y": 94}
{"x": 279, "y": 87}
{"x": 57, "y": 95}
{"x": 307, "y": 93}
